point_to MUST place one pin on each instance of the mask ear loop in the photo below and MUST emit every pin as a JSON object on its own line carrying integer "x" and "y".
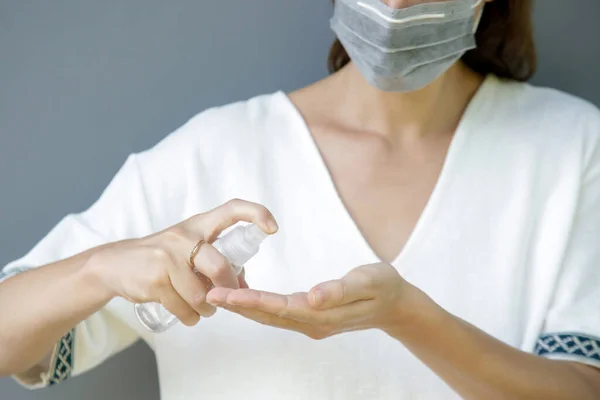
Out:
{"x": 478, "y": 18}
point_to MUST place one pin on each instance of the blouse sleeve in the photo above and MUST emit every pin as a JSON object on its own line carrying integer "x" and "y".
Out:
{"x": 121, "y": 212}
{"x": 572, "y": 324}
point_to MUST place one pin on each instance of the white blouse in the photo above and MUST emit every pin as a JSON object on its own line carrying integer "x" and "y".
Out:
{"x": 509, "y": 241}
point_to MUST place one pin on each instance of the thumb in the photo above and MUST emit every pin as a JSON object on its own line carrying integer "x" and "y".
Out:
{"x": 339, "y": 292}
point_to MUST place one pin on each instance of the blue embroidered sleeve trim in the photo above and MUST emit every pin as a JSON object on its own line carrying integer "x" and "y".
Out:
{"x": 569, "y": 346}
{"x": 62, "y": 363}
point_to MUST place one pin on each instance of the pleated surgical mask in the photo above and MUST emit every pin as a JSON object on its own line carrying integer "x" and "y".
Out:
{"x": 403, "y": 50}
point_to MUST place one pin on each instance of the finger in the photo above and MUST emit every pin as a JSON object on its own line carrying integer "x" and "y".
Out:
{"x": 351, "y": 288}
{"x": 234, "y": 211}
{"x": 271, "y": 303}
{"x": 276, "y": 322}
{"x": 189, "y": 286}
{"x": 212, "y": 264}
{"x": 177, "y": 306}
{"x": 192, "y": 290}
{"x": 218, "y": 296}
{"x": 293, "y": 306}
{"x": 356, "y": 316}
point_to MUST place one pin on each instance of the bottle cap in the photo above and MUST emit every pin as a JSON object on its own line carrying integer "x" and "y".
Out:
{"x": 240, "y": 244}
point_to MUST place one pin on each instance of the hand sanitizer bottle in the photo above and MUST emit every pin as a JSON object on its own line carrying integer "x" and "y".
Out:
{"x": 238, "y": 246}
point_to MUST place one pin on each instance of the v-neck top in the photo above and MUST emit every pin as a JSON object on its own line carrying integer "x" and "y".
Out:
{"x": 509, "y": 241}
{"x": 469, "y": 118}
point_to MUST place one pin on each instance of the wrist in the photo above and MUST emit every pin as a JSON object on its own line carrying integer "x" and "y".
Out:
{"x": 95, "y": 273}
{"x": 414, "y": 313}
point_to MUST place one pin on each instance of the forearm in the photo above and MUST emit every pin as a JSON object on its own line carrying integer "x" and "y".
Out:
{"x": 478, "y": 366}
{"x": 39, "y": 306}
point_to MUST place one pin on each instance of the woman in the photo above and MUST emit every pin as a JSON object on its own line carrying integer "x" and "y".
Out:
{"x": 433, "y": 204}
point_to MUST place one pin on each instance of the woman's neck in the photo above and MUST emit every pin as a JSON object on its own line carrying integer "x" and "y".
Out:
{"x": 433, "y": 110}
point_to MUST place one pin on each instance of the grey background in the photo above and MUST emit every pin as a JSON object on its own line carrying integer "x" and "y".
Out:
{"x": 84, "y": 83}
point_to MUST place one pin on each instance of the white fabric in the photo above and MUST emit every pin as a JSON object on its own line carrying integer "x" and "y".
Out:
{"x": 509, "y": 241}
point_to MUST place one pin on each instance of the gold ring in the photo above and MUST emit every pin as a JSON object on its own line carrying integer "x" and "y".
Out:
{"x": 207, "y": 282}
{"x": 194, "y": 253}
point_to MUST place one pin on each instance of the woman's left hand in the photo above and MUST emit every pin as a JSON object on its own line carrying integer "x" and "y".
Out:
{"x": 371, "y": 296}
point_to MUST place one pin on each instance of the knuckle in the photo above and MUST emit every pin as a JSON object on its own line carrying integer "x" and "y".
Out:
{"x": 158, "y": 281}
{"x": 219, "y": 268}
{"x": 160, "y": 255}
{"x": 233, "y": 204}
{"x": 174, "y": 235}
{"x": 364, "y": 277}
{"x": 221, "y": 265}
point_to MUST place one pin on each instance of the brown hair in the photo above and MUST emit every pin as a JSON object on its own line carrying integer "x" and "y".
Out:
{"x": 505, "y": 44}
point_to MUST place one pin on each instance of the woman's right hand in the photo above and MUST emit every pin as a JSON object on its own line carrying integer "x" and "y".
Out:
{"x": 156, "y": 268}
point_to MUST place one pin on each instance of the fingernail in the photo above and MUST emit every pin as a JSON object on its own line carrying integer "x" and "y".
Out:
{"x": 209, "y": 314}
{"x": 272, "y": 225}
{"x": 318, "y": 298}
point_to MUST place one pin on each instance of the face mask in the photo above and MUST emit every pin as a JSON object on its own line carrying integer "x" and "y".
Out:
{"x": 402, "y": 50}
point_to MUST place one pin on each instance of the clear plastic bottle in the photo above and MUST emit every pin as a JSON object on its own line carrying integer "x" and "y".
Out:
{"x": 238, "y": 246}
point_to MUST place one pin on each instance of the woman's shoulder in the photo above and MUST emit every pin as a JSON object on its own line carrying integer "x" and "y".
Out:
{"x": 551, "y": 123}
{"x": 182, "y": 174}
{"x": 230, "y": 125}
{"x": 548, "y": 109}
